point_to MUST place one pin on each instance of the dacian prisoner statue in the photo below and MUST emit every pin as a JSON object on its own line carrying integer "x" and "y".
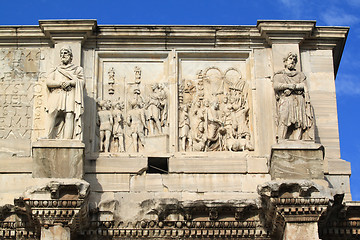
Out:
{"x": 65, "y": 102}
{"x": 294, "y": 112}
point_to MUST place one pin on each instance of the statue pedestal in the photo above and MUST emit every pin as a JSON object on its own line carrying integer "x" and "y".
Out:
{"x": 297, "y": 160}
{"x": 58, "y": 158}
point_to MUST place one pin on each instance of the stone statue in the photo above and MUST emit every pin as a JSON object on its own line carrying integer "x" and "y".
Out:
{"x": 294, "y": 112}
{"x": 65, "y": 104}
{"x": 105, "y": 122}
{"x": 118, "y": 129}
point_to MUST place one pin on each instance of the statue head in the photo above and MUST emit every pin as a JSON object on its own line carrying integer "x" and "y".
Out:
{"x": 101, "y": 103}
{"x": 225, "y": 99}
{"x": 290, "y": 61}
{"x": 108, "y": 105}
{"x": 216, "y": 105}
{"x": 66, "y": 55}
{"x": 119, "y": 105}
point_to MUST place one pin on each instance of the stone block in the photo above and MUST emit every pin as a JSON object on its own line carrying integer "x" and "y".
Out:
{"x": 193, "y": 182}
{"x": 214, "y": 163}
{"x": 58, "y": 159}
{"x": 147, "y": 182}
{"x": 56, "y": 232}
{"x": 218, "y": 196}
{"x": 297, "y": 160}
{"x": 16, "y": 165}
{"x": 116, "y": 164}
{"x": 157, "y": 143}
{"x": 204, "y": 182}
{"x": 257, "y": 165}
{"x": 306, "y": 230}
{"x": 341, "y": 183}
{"x": 339, "y": 166}
{"x": 108, "y": 182}
{"x": 251, "y": 181}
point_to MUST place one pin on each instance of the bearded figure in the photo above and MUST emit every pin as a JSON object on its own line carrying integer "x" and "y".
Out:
{"x": 294, "y": 112}
{"x": 65, "y": 103}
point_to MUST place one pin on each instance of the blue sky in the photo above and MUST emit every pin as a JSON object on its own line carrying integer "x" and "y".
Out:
{"x": 226, "y": 12}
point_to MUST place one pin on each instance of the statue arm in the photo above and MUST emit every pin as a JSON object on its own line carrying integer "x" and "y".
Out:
{"x": 97, "y": 120}
{"x": 303, "y": 83}
{"x": 50, "y": 80}
{"x": 111, "y": 120}
{"x": 142, "y": 117}
{"x": 79, "y": 73}
{"x": 280, "y": 85}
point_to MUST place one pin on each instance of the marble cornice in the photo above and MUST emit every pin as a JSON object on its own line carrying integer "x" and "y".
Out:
{"x": 264, "y": 34}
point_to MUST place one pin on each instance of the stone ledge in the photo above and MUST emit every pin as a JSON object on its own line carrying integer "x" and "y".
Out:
{"x": 58, "y": 143}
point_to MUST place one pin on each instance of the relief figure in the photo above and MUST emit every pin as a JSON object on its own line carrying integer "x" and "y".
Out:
{"x": 222, "y": 125}
{"x": 184, "y": 125}
{"x": 137, "y": 125}
{"x": 163, "y": 100}
{"x": 105, "y": 122}
{"x": 153, "y": 111}
{"x": 213, "y": 124}
{"x": 118, "y": 129}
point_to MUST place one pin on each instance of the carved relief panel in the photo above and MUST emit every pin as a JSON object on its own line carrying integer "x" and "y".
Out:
{"x": 132, "y": 104}
{"x": 214, "y": 103}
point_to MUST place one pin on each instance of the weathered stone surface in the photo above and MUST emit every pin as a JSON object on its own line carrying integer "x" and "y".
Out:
{"x": 297, "y": 160}
{"x": 295, "y": 231}
{"x": 108, "y": 182}
{"x": 115, "y": 164}
{"x": 199, "y": 98}
{"x": 58, "y": 159}
{"x": 56, "y": 232}
{"x": 209, "y": 163}
{"x": 56, "y": 188}
{"x": 197, "y": 182}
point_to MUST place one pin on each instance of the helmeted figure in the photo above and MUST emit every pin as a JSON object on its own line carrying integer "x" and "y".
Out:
{"x": 106, "y": 123}
{"x": 136, "y": 121}
{"x": 118, "y": 129}
{"x": 294, "y": 112}
{"x": 65, "y": 104}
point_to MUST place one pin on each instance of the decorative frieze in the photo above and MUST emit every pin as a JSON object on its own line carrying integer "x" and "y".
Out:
{"x": 176, "y": 229}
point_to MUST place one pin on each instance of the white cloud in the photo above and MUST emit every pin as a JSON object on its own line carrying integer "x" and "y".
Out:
{"x": 289, "y": 3}
{"x": 355, "y": 3}
{"x": 294, "y": 7}
{"x": 347, "y": 84}
{"x": 336, "y": 17}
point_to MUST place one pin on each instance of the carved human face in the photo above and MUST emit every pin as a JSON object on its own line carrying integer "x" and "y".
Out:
{"x": 225, "y": 100}
{"x": 290, "y": 62}
{"x": 198, "y": 104}
{"x": 216, "y": 105}
{"x": 65, "y": 56}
